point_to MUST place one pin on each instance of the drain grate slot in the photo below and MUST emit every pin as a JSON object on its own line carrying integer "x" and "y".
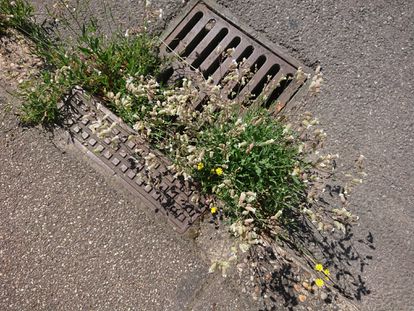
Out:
{"x": 201, "y": 33}
{"x": 245, "y": 54}
{"x": 240, "y": 86}
{"x": 186, "y": 30}
{"x": 203, "y": 36}
{"x": 211, "y": 46}
{"x": 258, "y": 87}
{"x": 212, "y": 63}
{"x": 280, "y": 88}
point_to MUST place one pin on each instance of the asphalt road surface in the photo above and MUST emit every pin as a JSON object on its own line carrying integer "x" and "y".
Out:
{"x": 366, "y": 51}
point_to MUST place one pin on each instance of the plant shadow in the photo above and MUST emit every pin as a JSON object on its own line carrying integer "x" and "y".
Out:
{"x": 285, "y": 268}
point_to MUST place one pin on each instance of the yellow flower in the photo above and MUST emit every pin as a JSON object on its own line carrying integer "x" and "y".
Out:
{"x": 318, "y": 267}
{"x": 213, "y": 210}
{"x": 319, "y": 282}
{"x": 327, "y": 272}
{"x": 200, "y": 166}
{"x": 219, "y": 171}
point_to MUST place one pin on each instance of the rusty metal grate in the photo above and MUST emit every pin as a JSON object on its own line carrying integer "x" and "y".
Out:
{"x": 117, "y": 152}
{"x": 196, "y": 36}
{"x": 203, "y": 31}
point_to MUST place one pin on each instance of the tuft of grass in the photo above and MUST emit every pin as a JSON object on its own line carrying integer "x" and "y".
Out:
{"x": 95, "y": 62}
{"x": 19, "y": 15}
{"x": 41, "y": 98}
{"x": 99, "y": 64}
{"x": 248, "y": 164}
{"x": 16, "y": 14}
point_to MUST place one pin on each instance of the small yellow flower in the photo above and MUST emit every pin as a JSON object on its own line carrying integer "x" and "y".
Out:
{"x": 200, "y": 166}
{"x": 318, "y": 267}
{"x": 213, "y": 210}
{"x": 319, "y": 282}
{"x": 219, "y": 171}
{"x": 327, "y": 272}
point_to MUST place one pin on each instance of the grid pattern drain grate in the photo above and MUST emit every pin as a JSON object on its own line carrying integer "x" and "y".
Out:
{"x": 116, "y": 151}
{"x": 196, "y": 37}
{"x": 203, "y": 33}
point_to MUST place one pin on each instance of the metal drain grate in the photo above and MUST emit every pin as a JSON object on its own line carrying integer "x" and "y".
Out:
{"x": 117, "y": 152}
{"x": 196, "y": 36}
{"x": 203, "y": 32}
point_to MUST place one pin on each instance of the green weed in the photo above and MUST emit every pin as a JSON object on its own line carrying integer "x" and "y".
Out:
{"x": 19, "y": 15}
{"x": 41, "y": 98}
{"x": 16, "y": 14}
{"x": 95, "y": 62}
{"x": 248, "y": 164}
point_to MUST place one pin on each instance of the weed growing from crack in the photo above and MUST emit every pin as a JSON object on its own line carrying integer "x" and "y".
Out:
{"x": 92, "y": 61}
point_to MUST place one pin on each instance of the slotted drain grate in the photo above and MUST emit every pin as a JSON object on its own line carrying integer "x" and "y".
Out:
{"x": 117, "y": 151}
{"x": 204, "y": 32}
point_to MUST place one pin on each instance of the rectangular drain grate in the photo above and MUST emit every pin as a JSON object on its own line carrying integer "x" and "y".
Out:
{"x": 196, "y": 37}
{"x": 117, "y": 152}
{"x": 203, "y": 31}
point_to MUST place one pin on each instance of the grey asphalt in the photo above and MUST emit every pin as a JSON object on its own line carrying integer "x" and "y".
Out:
{"x": 366, "y": 51}
{"x": 68, "y": 241}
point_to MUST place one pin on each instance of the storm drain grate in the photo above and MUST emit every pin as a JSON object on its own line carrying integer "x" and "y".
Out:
{"x": 198, "y": 37}
{"x": 122, "y": 152}
{"x": 203, "y": 33}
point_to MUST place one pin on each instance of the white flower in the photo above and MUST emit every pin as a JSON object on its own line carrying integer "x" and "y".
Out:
{"x": 268, "y": 142}
{"x": 242, "y": 198}
{"x": 251, "y": 196}
{"x": 287, "y": 129}
{"x": 248, "y": 221}
{"x": 249, "y": 208}
{"x": 296, "y": 171}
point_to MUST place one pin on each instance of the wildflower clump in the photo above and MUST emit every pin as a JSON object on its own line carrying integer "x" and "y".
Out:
{"x": 319, "y": 282}
{"x": 219, "y": 171}
{"x": 318, "y": 267}
{"x": 200, "y": 166}
{"x": 242, "y": 158}
{"x": 257, "y": 182}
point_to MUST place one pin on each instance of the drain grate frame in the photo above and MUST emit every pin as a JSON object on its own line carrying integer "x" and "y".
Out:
{"x": 205, "y": 27}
